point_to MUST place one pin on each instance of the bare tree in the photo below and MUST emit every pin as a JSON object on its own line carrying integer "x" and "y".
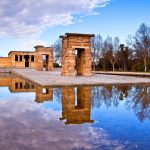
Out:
{"x": 97, "y": 44}
{"x": 124, "y": 56}
{"x": 107, "y": 52}
{"x": 57, "y": 48}
{"x": 141, "y": 43}
{"x": 114, "y": 58}
{"x": 110, "y": 51}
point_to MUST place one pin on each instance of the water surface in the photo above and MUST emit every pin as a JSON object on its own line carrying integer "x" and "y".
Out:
{"x": 73, "y": 118}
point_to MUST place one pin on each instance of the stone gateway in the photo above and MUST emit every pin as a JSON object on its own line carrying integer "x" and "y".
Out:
{"x": 76, "y": 54}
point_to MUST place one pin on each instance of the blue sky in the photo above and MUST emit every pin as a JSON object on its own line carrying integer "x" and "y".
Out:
{"x": 25, "y": 24}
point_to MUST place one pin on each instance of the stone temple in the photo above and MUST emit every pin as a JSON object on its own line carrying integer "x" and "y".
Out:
{"x": 41, "y": 59}
{"x": 76, "y": 56}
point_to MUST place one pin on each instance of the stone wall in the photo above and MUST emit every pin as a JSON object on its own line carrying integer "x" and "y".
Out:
{"x": 76, "y": 54}
{"x": 21, "y": 62}
{"x": 5, "y": 62}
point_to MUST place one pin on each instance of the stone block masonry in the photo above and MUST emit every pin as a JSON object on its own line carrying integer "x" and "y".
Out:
{"x": 76, "y": 54}
{"x": 44, "y": 58}
{"x": 5, "y": 62}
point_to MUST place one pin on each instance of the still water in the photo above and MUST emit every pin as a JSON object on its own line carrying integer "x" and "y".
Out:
{"x": 101, "y": 117}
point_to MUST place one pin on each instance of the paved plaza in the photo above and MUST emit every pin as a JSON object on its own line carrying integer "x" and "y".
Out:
{"x": 54, "y": 78}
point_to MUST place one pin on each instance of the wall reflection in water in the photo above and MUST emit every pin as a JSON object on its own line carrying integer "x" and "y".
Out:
{"x": 76, "y": 105}
{"x": 78, "y": 101}
{"x": 17, "y": 84}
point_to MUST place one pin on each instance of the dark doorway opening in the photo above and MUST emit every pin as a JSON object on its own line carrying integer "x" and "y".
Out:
{"x": 45, "y": 62}
{"x": 79, "y": 62}
{"x": 26, "y": 57}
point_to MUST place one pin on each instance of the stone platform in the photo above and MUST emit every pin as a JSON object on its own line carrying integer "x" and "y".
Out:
{"x": 54, "y": 78}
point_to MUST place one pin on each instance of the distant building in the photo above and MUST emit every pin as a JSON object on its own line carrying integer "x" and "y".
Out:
{"x": 41, "y": 59}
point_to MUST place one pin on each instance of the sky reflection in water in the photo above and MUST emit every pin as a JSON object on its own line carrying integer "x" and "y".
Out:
{"x": 73, "y": 118}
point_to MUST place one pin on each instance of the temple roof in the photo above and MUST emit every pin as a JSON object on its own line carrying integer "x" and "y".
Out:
{"x": 21, "y": 52}
{"x": 77, "y": 34}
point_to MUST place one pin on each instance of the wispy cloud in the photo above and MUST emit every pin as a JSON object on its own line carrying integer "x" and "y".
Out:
{"x": 24, "y": 18}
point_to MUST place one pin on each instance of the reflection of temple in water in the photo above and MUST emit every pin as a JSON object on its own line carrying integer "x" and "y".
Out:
{"x": 16, "y": 84}
{"x": 76, "y": 102}
{"x": 43, "y": 94}
{"x": 76, "y": 105}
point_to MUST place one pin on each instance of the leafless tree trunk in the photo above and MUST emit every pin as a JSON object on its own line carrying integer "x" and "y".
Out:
{"x": 145, "y": 64}
{"x": 113, "y": 64}
{"x": 57, "y": 49}
{"x": 97, "y": 43}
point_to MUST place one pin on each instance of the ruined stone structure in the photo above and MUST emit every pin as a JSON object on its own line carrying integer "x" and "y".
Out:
{"x": 76, "y": 105}
{"x": 76, "y": 54}
{"x": 41, "y": 59}
{"x": 44, "y": 54}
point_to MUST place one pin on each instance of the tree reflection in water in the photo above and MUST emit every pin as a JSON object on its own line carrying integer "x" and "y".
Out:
{"x": 140, "y": 101}
{"x": 136, "y": 98}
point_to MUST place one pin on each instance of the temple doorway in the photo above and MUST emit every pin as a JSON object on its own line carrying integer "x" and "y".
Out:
{"x": 79, "y": 61}
{"x": 26, "y": 57}
{"x": 45, "y": 62}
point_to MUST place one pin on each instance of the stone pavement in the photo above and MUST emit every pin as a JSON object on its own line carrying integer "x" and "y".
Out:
{"x": 54, "y": 78}
{"x": 139, "y": 74}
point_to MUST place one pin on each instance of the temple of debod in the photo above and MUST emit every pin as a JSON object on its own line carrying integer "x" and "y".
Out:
{"x": 76, "y": 56}
{"x": 76, "y": 65}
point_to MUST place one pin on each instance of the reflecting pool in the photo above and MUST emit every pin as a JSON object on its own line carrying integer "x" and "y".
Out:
{"x": 114, "y": 117}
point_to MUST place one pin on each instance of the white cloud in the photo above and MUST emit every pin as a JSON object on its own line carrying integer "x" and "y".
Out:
{"x": 37, "y": 127}
{"x": 28, "y": 44}
{"x": 30, "y": 17}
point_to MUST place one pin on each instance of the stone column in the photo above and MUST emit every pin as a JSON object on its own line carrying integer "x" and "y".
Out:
{"x": 87, "y": 62}
{"x": 50, "y": 58}
{"x": 39, "y": 57}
